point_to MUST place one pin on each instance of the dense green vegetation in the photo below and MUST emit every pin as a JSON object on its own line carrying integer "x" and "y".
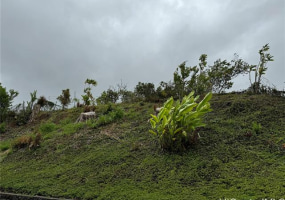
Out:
{"x": 240, "y": 154}
{"x": 236, "y": 151}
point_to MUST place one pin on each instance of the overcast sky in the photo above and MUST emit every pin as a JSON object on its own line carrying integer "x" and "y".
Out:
{"x": 51, "y": 45}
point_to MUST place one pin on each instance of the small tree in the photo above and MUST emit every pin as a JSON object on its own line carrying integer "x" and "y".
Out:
{"x": 6, "y": 100}
{"x": 127, "y": 96}
{"x": 64, "y": 98}
{"x": 220, "y": 76}
{"x": 110, "y": 96}
{"x": 88, "y": 97}
{"x": 124, "y": 94}
{"x": 33, "y": 96}
{"x": 260, "y": 69}
{"x": 188, "y": 79}
{"x": 180, "y": 79}
{"x": 166, "y": 90}
{"x": 4, "y": 103}
{"x": 42, "y": 101}
{"x": 145, "y": 91}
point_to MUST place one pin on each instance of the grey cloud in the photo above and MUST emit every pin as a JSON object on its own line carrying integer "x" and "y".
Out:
{"x": 57, "y": 44}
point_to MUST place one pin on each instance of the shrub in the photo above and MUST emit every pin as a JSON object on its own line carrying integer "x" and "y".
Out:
{"x": 109, "y": 117}
{"x": 176, "y": 122}
{"x": 47, "y": 127}
{"x": 64, "y": 98}
{"x": 72, "y": 128}
{"x": 31, "y": 141}
{"x": 3, "y": 127}
{"x": 5, "y": 145}
{"x": 117, "y": 114}
{"x": 22, "y": 142}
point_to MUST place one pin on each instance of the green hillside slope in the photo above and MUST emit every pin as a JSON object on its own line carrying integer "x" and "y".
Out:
{"x": 240, "y": 154}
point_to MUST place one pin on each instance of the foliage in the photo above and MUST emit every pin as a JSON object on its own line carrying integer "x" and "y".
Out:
{"x": 221, "y": 76}
{"x": 256, "y": 127}
{"x": 71, "y": 128}
{"x": 2, "y": 127}
{"x": 24, "y": 114}
{"x": 179, "y": 78}
{"x": 145, "y": 91}
{"x": 222, "y": 73}
{"x": 88, "y": 97}
{"x": 64, "y": 98}
{"x": 120, "y": 161}
{"x": 127, "y": 96}
{"x": 45, "y": 104}
{"x": 5, "y": 145}
{"x": 109, "y": 96}
{"x": 42, "y": 101}
{"x": 6, "y": 99}
{"x": 203, "y": 79}
{"x": 109, "y": 116}
{"x": 260, "y": 69}
{"x": 4, "y": 103}
{"x": 33, "y": 96}
{"x": 47, "y": 127}
{"x": 166, "y": 90}
{"x": 31, "y": 141}
{"x": 175, "y": 124}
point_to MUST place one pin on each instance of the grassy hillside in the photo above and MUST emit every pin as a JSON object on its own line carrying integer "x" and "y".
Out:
{"x": 241, "y": 154}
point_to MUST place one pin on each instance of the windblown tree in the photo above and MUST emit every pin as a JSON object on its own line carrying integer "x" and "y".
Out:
{"x": 188, "y": 79}
{"x": 261, "y": 68}
{"x": 220, "y": 76}
{"x": 88, "y": 97}
{"x": 64, "y": 98}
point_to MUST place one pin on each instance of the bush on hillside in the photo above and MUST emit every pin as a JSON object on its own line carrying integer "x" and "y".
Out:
{"x": 3, "y": 127}
{"x": 47, "y": 127}
{"x": 31, "y": 141}
{"x": 176, "y": 123}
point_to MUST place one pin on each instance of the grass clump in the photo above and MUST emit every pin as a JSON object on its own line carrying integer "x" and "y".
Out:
{"x": 109, "y": 116}
{"x": 256, "y": 127}
{"x": 47, "y": 127}
{"x": 2, "y": 127}
{"x": 71, "y": 128}
{"x": 30, "y": 140}
{"x": 5, "y": 145}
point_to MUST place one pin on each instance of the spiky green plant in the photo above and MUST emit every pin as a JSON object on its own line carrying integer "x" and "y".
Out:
{"x": 256, "y": 127}
{"x": 176, "y": 122}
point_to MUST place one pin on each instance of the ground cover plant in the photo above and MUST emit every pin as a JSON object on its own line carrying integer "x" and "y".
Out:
{"x": 240, "y": 154}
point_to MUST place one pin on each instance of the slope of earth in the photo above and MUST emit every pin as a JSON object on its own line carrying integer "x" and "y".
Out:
{"x": 240, "y": 154}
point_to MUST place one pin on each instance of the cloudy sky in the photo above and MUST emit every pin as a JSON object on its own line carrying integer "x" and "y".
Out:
{"x": 50, "y": 45}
